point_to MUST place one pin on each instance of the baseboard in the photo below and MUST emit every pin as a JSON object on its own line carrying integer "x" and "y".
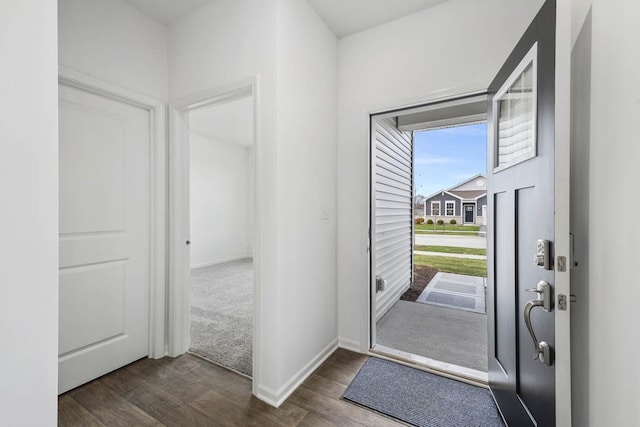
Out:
{"x": 222, "y": 261}
{"x": 277, "y": 398}
{"x": 350, "y": 345}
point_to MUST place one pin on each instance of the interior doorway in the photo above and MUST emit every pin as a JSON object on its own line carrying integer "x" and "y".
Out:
{"x": 222, "y": 194}
{"x": 428, "y": 246}
{"x": 217, "y": 129}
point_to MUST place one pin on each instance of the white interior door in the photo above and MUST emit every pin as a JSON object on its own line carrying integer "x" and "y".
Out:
{"x": 104, "y": 235}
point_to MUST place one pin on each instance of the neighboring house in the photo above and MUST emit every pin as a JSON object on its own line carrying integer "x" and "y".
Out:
{"x": 465, "y": 202}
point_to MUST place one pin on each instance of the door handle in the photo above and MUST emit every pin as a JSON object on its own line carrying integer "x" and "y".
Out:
{"x": 542, "y": 349}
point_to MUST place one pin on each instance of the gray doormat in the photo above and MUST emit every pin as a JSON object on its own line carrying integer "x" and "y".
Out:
{"x": 420, "y": 398}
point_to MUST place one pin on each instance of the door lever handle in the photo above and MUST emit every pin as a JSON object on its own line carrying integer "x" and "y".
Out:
{"x": 542, "y": 350}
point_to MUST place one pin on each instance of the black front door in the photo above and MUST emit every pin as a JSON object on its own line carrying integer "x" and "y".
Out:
{"x": 521, "y": 155}
{"x": 468, "y": 214}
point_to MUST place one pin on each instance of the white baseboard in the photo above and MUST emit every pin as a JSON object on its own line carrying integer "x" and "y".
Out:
{"x": 277, "y": 398}
{"x": 350, "y": 345}
{"x": 221, "y": 261}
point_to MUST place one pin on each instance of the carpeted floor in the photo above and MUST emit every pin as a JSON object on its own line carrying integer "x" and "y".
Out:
{"x": 222, "y": 314}
{"x": 420, "y": 398}
{"x": 440, "y": 333}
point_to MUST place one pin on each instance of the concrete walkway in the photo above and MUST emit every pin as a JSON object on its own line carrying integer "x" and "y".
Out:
{"x": 445, "y": 240}
{"x": 440, "y": 333}
{"x": 467, "y": 256}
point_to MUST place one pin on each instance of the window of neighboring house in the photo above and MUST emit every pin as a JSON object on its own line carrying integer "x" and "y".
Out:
{"x": 435, "y": 208}
{"x": 450, "y": 208}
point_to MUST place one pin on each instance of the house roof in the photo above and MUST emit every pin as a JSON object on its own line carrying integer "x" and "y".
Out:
{"x": 440, "y": 192}
{"x": 462, "y": 194}
{"x": 460, "y": 184}
{"x": 469, "y": 194}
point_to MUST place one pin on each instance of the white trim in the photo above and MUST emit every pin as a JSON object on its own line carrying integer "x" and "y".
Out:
{"x": 442, "y": 193}
{"x": 220, "y": 261}
{"x": 178, "y": 307}
{"x": 438, "y": 367}
{"x": 562, "y": 209}
{"x": 157, "y": 192}
{"x": 454, "y": 207}
{"x": 277, "y": 397}
{"x": 530, "y": 58}
{"x": 439, "y": 208}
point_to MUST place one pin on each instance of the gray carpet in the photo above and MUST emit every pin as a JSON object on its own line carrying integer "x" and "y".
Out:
{"x": 222, "y": 314}
{"x": 420, "y": 398}
{"x": 440, "y": 333}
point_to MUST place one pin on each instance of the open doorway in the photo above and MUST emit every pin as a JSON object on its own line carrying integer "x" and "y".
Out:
{"x": 221, "y": 218}
{"x": 429, "y": 211}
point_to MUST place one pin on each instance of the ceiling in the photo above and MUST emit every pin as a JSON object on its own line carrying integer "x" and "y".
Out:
{"x": 166, "y": 11}
{"x": 343, "y": 17}
{"x": 229, "y": 122}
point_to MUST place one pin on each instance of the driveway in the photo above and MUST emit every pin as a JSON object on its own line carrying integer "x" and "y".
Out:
{"x": 445, "y": 240}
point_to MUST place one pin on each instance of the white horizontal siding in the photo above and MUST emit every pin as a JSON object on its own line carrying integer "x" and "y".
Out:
{"x": 393, "y": 214}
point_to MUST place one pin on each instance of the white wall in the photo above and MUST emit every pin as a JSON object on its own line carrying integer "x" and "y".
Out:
{"x": 307, "y": 102}
{"x": 113, "y": 41}
{"x": 458, "y": 44}
{"x": 219, "y": 201}
{"x": 614, "y": 252}
{"x": 295, "y": 55}
{"x": 29, "y": 214}
{"x": 196, "y": 45}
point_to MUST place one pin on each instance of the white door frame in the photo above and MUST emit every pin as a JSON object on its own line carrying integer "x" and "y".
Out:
{"x": 178, "y": 295}
{"x": 562, "y": 209}
{"x": 157, "y": 192}
{"x": 367, "y": 341}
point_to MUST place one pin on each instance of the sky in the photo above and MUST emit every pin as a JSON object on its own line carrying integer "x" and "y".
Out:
{"x": 446, "y": 157}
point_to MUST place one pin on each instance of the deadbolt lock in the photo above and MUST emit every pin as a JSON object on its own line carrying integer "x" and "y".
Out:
{"x": 543, "y": 254}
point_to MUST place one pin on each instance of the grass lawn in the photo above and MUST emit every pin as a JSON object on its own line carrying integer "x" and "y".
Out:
{"x": 449, "y": 233}
{"x": 447, "y": 227}
{"x": 451, "y": 250}
{"x": 470, "y": 267}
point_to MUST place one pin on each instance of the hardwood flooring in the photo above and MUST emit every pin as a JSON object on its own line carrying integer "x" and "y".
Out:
{"x": 189, "y": 391}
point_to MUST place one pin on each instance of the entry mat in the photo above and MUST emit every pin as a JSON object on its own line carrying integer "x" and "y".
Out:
{"x": 420, "y": 398}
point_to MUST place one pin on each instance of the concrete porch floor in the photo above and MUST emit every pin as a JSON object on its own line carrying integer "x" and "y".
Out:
{"x": 445, "y": 334}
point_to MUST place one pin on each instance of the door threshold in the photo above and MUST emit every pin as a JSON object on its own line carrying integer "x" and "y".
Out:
{"x": 438, "y": 367}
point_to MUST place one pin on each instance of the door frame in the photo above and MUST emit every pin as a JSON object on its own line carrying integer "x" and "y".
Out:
{"x": 562, "y": 210}
{"x": 368, "y": 327}
{"x": 178, "y": 321}
{"x": 157, "y": 192}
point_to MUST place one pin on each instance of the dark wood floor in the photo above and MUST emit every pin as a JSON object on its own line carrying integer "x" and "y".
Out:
{"x": 188, "y": 391}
